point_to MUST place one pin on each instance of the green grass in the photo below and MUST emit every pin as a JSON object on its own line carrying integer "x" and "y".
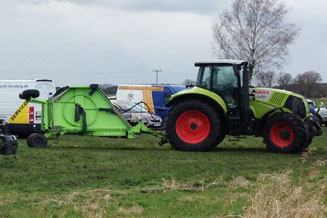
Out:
{"x": 80, "y": 176}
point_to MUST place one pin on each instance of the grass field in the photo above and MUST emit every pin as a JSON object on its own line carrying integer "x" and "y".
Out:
{"x": 81, "y": 176}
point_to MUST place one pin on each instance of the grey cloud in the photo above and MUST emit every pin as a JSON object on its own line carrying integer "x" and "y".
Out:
{"x": 33, "y": 2}
{"x": 191, "y": 6}
{"x": 194, "y": 6}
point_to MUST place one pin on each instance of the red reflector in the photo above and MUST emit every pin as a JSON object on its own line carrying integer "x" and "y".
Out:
{"x": 31, "y": 115}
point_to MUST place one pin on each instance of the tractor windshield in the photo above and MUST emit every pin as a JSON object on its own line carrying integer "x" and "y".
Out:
{"x": 204, "y": 77}
{"x": 220, "y": 79}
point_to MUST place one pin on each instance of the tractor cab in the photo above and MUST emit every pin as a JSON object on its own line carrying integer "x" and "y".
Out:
{"x": 229, "y": 80}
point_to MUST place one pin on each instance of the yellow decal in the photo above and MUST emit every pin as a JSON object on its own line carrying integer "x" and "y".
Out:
{"x": 147, "y": 93}
{"x": 21, "y": 114}
{"x": 147, "y": 98}
{"x": 150, "y": 88}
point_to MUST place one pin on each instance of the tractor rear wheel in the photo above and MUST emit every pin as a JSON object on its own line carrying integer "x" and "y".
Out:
{"x": 286, "y": 133}
{"x": 194, "y": 126}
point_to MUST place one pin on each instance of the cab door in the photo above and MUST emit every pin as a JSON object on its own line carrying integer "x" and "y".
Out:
{"x": 225, "y": 83}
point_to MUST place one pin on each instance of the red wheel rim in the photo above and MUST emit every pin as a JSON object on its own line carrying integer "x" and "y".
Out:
{"x": 193, "y": 126}
{"x": 282, "y": 134}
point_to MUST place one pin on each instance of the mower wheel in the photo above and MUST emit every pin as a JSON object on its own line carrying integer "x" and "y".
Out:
{"x": 194, "y": 125}
{"x": 286, "y": 133}
{"x": 36, "y": 140}
{"x": 29, "y": 93}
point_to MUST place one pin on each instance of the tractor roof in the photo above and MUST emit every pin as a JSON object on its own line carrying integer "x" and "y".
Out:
{"x": 210, "y": 62}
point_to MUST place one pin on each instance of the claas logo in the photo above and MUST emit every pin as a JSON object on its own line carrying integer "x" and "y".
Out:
{"x": 261, "y": 92}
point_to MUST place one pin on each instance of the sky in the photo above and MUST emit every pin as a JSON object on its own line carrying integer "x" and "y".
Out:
{"x": 80, "y": 42}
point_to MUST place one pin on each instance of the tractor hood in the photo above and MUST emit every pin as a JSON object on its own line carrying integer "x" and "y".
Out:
{"x": 263, "y": 98}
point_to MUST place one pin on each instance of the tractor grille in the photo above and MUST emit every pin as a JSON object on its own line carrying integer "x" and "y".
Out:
{"x": 296, "y": 105}
{"x": 277, "y": 98}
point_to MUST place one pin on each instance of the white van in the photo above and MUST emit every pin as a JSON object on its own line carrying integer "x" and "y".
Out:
{"x": 23, "y": 118}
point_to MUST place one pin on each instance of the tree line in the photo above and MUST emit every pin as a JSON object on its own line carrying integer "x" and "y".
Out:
{"x": 307, "y": 83}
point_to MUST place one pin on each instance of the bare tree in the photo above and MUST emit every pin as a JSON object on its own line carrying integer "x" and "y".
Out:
{"x": 307, "y": 83}
{"x": 283, "y": 80}
{"x": 255, "y": 30}
{"x": 266, "y": 79}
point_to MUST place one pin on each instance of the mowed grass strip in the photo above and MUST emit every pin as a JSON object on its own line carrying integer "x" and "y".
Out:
{"x": 80, "y": 176}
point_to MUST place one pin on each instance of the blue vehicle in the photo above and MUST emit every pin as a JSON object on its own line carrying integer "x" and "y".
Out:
{"x": 161, "y": 98}
{"x": 155, "y": 97}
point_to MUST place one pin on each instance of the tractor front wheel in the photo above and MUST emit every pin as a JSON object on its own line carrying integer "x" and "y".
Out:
{"x": 194, "y": 126}
{"x": 285, "y": 133}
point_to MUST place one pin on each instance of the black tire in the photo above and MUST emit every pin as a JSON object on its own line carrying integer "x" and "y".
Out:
{"x": 36, "y": 140}
{"x": 202, "y": 130}
{"x": 286, "y": 133}
{"x": 29, "y": 93}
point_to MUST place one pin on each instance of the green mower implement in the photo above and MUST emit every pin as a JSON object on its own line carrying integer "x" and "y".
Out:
{"x": 82, "y": 110}
{"x": 222, "y": 103}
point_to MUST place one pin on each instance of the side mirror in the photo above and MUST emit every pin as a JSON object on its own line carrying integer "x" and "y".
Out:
{"x": 321, "y": 105}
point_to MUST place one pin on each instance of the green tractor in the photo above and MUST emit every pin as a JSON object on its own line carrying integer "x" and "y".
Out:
{"x": 222, "y": 103}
